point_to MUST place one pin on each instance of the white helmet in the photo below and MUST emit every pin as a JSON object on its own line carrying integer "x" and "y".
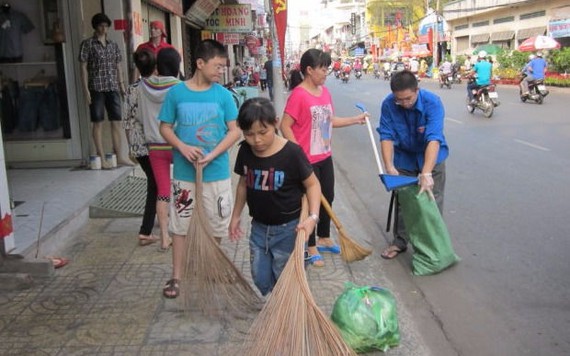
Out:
{"x": 539, "y": 54}
{"x": 482, "y": 54}
{"x": 531, "y": 57}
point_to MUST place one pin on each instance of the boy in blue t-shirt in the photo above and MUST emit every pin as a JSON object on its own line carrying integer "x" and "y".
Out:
{"x": 198, "y": 120}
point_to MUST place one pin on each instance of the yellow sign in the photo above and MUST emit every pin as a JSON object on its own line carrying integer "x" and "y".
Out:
{"x": 230, "y": 18}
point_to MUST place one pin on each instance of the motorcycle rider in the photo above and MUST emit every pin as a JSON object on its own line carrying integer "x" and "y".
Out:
{"x": 357, "y": 66}
{"x": 482, "y": 70}
{"x": 445, "y": 71}
{"x": 534, "y": 71}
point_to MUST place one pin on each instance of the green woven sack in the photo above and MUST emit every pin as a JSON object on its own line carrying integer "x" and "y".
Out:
{"x": 427, "y": 232}
{"x": 367, "y": 318}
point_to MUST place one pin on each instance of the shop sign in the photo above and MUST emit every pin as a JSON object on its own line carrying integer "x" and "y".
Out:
{"x": 559, "y": 28}
{"x": 230, "y": 18}
{"x": 174, "y": 6}
{"x": 228, "y": 38}
{"x": 200, "y": 11}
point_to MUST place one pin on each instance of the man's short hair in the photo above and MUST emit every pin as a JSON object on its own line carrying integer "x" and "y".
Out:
{"x": 144, "y": 61}
{"x": 403, "y": 80}
{"x": 168, "y": 62}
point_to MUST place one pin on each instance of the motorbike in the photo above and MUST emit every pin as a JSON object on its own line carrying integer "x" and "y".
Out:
{"x": 456, "y": 78}
{"x": 337, "y": 74}
{"x": 358, "y": 74}
{"x": 376, "y": 74}
{"x": 387, "y": 75}
{"x": 487, "y": 99}
{"x": 445, "y": 81}
{"x": 536, "y": 91}
{"x": 344, "y": 77}
{"x": 238, "y": 98}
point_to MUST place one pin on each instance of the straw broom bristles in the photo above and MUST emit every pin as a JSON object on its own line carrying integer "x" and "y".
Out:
{"x": 291, "y": 323}
{"x": 350, "y": 250}
{"x": 210, "y": 281}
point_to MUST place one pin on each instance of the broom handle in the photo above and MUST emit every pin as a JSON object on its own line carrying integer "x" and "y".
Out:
{"x": 331, "y": 213}
{"x": 373, "y": 141}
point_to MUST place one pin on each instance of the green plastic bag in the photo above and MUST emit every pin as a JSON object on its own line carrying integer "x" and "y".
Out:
{"x": 427, "y": 232}
{"x": 367, "y": 318}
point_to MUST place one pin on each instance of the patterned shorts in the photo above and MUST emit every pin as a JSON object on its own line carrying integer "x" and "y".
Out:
{"x": 217, "y": 206}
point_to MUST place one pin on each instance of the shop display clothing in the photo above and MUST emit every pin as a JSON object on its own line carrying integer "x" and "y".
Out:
{"x": 102, "y": 61}
{"x": 13, "y": 24}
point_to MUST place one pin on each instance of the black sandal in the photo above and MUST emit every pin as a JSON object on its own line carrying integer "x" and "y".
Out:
{"x": 172, "y": 288}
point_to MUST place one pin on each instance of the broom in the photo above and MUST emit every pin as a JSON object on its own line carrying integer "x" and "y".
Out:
{"x": 210, "y": 281}
{"x": 350, "y": 250}
{"x": 291, "y": 323}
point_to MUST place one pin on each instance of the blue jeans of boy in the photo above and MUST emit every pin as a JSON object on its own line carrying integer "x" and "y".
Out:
{"x": 270, "y": 247}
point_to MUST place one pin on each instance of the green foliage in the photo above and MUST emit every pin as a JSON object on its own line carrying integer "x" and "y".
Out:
{"x": 460, "y": 59}
{"x": 513, "y": 60}
{"x": 560, "y": 60}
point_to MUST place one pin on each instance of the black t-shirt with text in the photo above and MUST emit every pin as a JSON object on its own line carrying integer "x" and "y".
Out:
{"x": 274, "y": 183}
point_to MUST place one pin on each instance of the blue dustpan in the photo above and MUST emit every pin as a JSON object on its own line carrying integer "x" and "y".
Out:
{"x": 390, "y": 181}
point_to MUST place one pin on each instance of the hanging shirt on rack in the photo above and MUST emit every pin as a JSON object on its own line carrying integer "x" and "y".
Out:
{"x": 13, "y": 24}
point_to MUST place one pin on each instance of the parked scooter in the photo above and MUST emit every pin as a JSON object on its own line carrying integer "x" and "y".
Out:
{"x": 486, "y": 99}
{"x": 536, "y": 91}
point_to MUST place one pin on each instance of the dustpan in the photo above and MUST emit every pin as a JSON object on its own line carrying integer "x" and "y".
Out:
{"x": 390, "y": 181}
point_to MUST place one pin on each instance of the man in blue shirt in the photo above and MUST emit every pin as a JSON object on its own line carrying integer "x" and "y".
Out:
{"x": 412, "y": 142}
{"x": 535, "y": 71}
{"x": 483, "y": 71}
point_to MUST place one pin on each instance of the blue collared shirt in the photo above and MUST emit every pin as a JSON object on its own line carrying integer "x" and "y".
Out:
{"x": 412, "y": 129}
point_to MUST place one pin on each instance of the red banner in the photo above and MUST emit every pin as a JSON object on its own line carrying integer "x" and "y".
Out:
{"x": 280, "y": 16}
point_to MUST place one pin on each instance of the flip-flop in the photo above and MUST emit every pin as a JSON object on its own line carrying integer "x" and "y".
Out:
{"x": 392, "y": 252}
{"x": 332, "y": 249}
{"x": 316, "y": 260}
{"x": 172, "y": 289}
{"x": 145, "y": 241}
{"x": 58, "y": 262}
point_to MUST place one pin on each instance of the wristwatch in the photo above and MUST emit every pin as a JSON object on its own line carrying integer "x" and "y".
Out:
{"x": 314, "y": 217}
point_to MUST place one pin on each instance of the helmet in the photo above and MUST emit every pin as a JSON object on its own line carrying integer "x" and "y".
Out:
{"x": 539, "y": 54}
{"x": 482, "y": 54}
{"x": 531, "y": 57}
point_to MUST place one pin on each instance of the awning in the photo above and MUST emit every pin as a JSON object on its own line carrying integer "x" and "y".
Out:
{"x": 502, "y": 36}
{"x": 481, "y": 38}
{"x": 530, "y": 32}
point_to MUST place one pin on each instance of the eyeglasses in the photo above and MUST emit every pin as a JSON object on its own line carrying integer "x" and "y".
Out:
{"x": 401, "y": 101}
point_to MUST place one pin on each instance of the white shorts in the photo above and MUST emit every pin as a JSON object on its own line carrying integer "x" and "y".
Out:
{"x": 217, "y": 205}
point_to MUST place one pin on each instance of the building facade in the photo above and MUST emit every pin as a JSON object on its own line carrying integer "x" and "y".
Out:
{"x": 506, "y": 23}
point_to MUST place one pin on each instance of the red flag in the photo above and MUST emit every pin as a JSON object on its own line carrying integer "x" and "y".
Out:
{"x": 280, "y": 16}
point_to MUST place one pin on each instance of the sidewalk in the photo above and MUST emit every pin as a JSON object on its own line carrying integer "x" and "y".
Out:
{"x": 108, "y": 300}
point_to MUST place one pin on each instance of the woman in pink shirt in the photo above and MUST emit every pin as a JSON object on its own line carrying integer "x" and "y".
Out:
{"x": 308, "y": 120}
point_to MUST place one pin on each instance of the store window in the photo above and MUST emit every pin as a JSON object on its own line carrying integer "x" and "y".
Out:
{"x": 32, "y": 80}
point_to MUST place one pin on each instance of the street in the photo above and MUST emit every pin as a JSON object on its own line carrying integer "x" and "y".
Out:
{"x": 506, "y": 209}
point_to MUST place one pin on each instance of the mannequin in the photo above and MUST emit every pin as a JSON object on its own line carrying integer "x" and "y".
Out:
{"x": 103, "y": 89}
{"x": 13, "y": 25}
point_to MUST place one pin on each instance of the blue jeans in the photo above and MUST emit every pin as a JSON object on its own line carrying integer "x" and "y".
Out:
{"x": 270, "y": 247}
